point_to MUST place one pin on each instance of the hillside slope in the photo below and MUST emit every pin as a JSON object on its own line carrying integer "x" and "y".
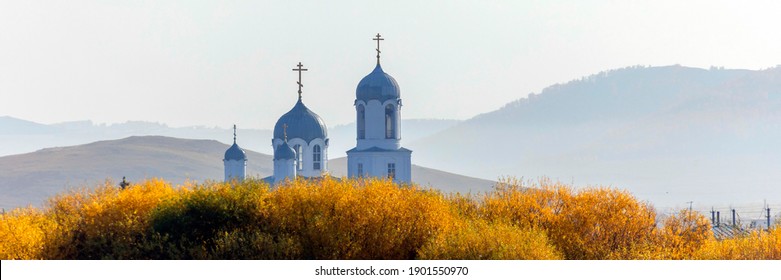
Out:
{"x": 668, "y": 134}
{"x": 31, "y": 178}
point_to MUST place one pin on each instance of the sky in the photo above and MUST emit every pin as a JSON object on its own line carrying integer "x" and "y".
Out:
{"x": 209, "y": 63}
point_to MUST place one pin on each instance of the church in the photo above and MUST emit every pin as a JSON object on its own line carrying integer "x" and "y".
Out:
{"x": 300, "y": 137}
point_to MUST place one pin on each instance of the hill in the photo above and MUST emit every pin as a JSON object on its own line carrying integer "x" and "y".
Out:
{"x": 31, "y": 178}
{"x": 22, "y": 136}
{"x": 668, "y": 134}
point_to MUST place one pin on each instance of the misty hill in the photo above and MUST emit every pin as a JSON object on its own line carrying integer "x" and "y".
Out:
{"x": 668, "y": 134}
{"x": 33, "y": 177}
{"x": 20, "y": 136}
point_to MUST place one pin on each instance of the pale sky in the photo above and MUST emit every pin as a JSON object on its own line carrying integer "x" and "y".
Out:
{"x": 207, "y": 63}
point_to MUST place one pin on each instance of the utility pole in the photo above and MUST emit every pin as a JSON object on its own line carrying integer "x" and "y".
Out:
{"x": 768, "y": 218}
{"x": 718, "y": 218}
{"x": 712, "y": 216}
{"x": 733, "y": 218}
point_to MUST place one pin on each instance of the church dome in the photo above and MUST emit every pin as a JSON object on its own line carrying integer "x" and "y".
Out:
{"x": 378, "y": 85}
{"x": 235, "y": 153}
{"x": 284, "y": 151}
{"x": 301, "y": 123}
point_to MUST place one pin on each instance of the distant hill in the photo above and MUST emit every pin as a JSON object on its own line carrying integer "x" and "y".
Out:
{"x": 20, "y": 136}
{"x": 31, "y": 178}
{"x": 668, "y": 134}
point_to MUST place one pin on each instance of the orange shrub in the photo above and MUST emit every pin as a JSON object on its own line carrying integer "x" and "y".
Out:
{"x": 756, "y": 245}
{"x": 106, "y": 222}
{"x": 23, "y": 232}
{"x": 357, "y": 219}
{"x": 479, "y": 240}
{"x": 362, "y": 219}
{"x": 591, "y": 223}
{"x": 681, "y": 236}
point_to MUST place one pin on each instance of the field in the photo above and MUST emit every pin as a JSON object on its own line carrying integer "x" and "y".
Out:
{"x": 363, "y": 219}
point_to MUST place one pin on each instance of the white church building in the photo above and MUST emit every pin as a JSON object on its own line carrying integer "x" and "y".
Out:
{"x": 300, "y": 139}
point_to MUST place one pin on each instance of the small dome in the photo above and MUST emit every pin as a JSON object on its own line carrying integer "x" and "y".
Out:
{"x": 377, "y": 86}
{"x": 301, "y": 123}
{"x": 284, "y": 151}
{"x": 235, "y": 153}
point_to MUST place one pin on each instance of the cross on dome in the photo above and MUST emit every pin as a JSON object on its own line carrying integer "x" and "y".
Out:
{"x": 234, "y": 133}
{"x": 378, "y": 38}
{"x": 300, "y": 85}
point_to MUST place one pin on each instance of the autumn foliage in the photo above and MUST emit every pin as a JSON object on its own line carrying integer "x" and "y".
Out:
{"x": 362, "y": 219}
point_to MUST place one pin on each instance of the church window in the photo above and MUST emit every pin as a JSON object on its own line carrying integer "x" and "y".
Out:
{"x": 391, "y": 171}
{"x": 299, "y": 157}
{"x": 360, "y": 170}
{"x": 390, "y": 122}
{"x": 316, "y": 156}
{"x": 361, "y": 122}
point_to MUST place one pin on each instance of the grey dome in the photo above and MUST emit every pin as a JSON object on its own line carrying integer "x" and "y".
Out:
{"x": 301, "y": 123}
{"x": 235, "y": 153}
{"x": 284, "y": 151}
{"x": 378, "y": 85}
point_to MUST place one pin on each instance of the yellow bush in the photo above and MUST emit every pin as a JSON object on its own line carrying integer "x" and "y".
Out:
{"x": 525, "y": 205}
{"x": 681, "y": 236}
{"x": 357, "y": 219}
{"x": 361, "y": 219}
{"x": 106, "y": 222}
{"x": 591, "y": 223}
{"x": 23, "y": 232}
{"x": 756, "y": 245}
{"x": 478, "y": 240}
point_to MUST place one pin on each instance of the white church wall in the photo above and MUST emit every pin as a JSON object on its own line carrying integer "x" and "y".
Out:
{"x": 375, "y": 125}
{"x": 235, "y": 169}
{"x": 284, "y": 169}
{"x": 375, "y": 164}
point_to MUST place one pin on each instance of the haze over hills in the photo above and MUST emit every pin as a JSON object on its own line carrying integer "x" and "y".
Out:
{"x": 21, "y": 136}
{"x": 668, "y": 134}
{"x": 31, "y": 178}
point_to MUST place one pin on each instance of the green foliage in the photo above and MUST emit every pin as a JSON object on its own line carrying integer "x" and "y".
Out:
{"x": 202, "y": 213}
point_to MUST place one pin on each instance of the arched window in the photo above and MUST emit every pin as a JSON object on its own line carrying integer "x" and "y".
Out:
{"x": 390, "y": 122}
{"x": 299, "y": 157}
{"x": 361, "y": 122}
{"x": 316, "y": 156}
{"x": 392, "y": 171}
